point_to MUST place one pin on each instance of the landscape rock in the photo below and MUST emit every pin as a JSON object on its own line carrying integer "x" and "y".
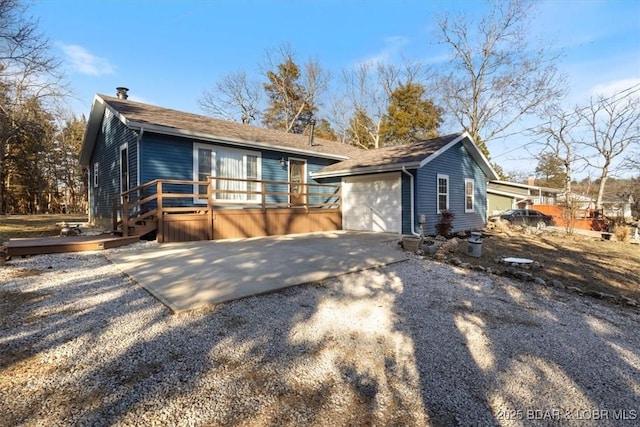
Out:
{"x": 525, "y": 277}
{"x": 539, "y": 281}
{"x": 451, "y": 245}
{"x": 431, "y": 249}
{"x": 600, "y": 295}
{"x": 439, "y": 256}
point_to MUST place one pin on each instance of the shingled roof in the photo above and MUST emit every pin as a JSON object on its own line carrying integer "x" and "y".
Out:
{"x": 409, "y": 156}
{"x": 151, "y": 118}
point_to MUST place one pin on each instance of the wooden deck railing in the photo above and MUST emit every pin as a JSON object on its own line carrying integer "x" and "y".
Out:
{"x": 160, "y": 197}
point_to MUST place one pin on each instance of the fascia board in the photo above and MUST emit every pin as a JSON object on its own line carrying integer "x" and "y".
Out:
{"x": 366, "y": 170}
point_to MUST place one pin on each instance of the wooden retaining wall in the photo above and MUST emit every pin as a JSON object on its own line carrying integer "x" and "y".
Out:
{"x": 242, "y": 223}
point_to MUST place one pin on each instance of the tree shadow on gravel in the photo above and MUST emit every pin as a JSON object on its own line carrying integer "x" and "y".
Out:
{"x": 534, "y": 352}
{"x": 416, "y": 343}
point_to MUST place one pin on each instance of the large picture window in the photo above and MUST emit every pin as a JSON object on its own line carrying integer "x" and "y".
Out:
{"x": 443, "y": 192}
{"x": 227, "y": 163}
{"x": 468, "y": 195}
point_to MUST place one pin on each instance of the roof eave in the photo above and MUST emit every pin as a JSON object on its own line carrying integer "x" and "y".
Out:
{"x": 230, "y": 141}
{"x": 365, "y": 170}
{"x": 473, "y": 149}
{"x": 527, "y": 186}
{"x": 506, "y": 193}
{"x": 92, "y": 130}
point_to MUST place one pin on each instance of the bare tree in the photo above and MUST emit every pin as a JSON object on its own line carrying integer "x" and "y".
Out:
{"x": 613, "y": 127}
{"x": 234, "y": 97}
{"x": 368, "y": 90}
{"x": 560, "y": 142}
{"x": 28, "y": 73}
{"x": 368, "y": 94}
{"x": 494, "y": 77}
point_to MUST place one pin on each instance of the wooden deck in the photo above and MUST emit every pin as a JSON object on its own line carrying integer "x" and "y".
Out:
{"x": 230, "y": 208}
{"x": 54, "y": 245}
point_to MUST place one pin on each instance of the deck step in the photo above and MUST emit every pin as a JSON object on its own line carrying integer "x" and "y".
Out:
{"x": 53, "y": 245}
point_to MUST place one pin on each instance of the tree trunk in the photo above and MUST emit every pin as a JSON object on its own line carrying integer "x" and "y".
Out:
{"x": 603, "y": 181}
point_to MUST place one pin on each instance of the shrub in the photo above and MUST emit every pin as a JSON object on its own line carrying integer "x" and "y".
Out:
{"x": 445, "y": 224}
{"x": 621, "y": 232}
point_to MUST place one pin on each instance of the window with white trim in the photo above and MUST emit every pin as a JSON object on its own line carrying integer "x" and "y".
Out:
{"x": 225, "y": 162}
{"x": 468, "y": 195}
{"x": 443, "y": 192}
{"x": 95, "y": 174}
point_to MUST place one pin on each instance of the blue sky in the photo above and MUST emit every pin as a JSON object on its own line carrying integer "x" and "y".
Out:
{"x": 169, "y": 52}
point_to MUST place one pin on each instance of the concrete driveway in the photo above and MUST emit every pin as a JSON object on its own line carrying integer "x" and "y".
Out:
{"x": 185, "y": 276}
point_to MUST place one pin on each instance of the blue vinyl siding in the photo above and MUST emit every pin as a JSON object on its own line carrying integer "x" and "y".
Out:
{"x": 458, "y": 165}
{"x": 272, "y": 170}
{"x": 172, "y": 158}
{"x": 106, "y": 153}
{"x": 166, "y": 157}
{"x": 406, "y": 203}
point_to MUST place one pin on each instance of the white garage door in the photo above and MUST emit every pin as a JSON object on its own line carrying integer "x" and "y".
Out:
{"x": 372, "y": 203}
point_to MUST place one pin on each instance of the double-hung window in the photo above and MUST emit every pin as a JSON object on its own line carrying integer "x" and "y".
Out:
{"x": 468, "y": 195}
{"x": 443, "y": 192}
{"x": 219, "y": 162}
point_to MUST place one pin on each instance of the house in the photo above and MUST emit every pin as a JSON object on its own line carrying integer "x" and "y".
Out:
{"x": 128, "y": 145}
{"x": 618, "y": 206}
{"x": 503, "y": 195}
{"x": 403, "y": 189}
{"x": 191, "y": 177}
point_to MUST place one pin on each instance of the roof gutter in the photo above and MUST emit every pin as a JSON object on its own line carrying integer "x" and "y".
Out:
{"x": 365, "y": 170}
{"x": 413, "y": 214}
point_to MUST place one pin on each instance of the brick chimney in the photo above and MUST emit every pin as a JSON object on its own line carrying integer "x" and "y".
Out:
{"x": 122, "y": 92}
{"x": 531, "y": 180}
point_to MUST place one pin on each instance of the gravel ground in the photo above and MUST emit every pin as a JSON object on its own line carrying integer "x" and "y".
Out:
{"x": 416, "y": 343}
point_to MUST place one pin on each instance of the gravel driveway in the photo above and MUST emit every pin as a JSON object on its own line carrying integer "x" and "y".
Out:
{"x": 415, "y": 343}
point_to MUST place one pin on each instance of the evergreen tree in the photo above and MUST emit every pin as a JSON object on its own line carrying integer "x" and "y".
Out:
{"x": 292, "y": 92}
{"x": 550, "y": 171}
{"x": 410, "y": 116}
{"x": 27, "y": 169}
{"x": 324, "y": 130}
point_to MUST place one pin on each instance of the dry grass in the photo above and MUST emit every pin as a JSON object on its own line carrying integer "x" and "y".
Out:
{"x": 15, "y": 226}
{"x": 589, "y": 263}
{"x": 621, "y": 232}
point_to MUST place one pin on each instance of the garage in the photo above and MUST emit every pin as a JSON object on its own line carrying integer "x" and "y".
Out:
{"x": 372, "y": 203}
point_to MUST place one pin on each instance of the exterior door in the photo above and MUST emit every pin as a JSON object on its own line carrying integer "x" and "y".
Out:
{"x": 297, "y": 181}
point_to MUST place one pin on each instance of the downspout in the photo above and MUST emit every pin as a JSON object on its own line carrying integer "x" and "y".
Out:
{"x": 138, "y": 139}
{"x": 413, "y": 214}
{"x": 89, "y": 191}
